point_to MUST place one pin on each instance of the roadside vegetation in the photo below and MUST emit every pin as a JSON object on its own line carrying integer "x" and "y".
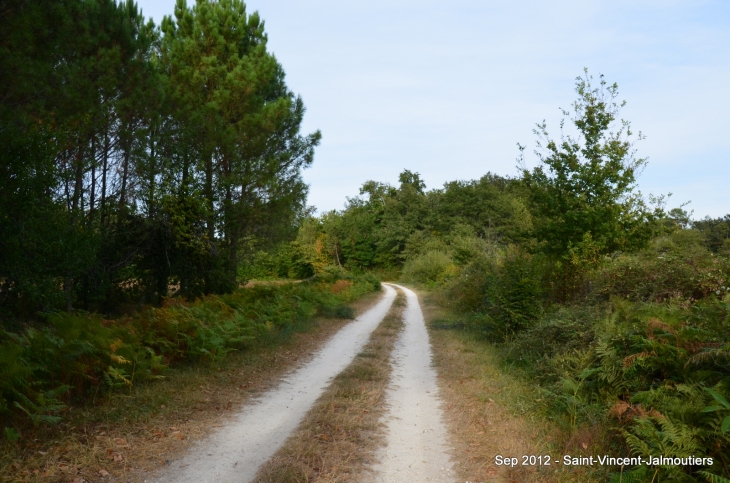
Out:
{"x": 82, "y": 357}
{"x": 73, "y": 386}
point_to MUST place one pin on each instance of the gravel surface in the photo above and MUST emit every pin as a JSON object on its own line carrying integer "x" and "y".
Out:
{"x": 235, "y": 453}
{"x": 417, "y": 448}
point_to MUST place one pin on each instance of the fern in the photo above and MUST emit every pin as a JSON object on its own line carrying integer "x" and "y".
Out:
{"x": 651, "y": 436}
{"x": 724, "y": 405}
{"x": 637, "y": 475}
{"x": 712, "y": 478}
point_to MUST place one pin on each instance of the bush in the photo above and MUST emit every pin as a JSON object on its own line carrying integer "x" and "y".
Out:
{"x": 676, "y": 266}
{"x": 564, "y": 330}
{"x": 430, "y": 268}
{"x": 657, "y": 373}
{"x": 505, "y": 290}
{"x": 286, "y": 260}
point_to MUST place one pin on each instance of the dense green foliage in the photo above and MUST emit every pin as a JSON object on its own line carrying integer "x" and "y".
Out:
{"x": 137, "y": 161}
{"x": 581, "y": 192}
{"x": 80, "y": 356}
{"x": 386, "y": 226}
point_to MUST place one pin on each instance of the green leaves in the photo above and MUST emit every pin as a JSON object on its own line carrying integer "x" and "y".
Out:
{"x": 233, "y": 110}
{"x": 581, "y": 195}
{"x": 723, "y": 406}
{"x": 136, "y": 159}
{"x": 82, "y": 355}
{"x": 712, "y": 478}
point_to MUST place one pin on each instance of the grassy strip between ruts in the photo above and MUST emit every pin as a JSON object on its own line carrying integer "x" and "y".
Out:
{"x": 490, "y": 412}
{"x": 338, "y": 438}
{"x": 134, "y": 432}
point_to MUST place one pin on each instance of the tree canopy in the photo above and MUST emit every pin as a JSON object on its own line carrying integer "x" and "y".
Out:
{"x": 137, "y": 161}
{"x": 582, "y": 192}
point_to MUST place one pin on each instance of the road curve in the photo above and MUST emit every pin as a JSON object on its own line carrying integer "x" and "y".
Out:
{"x": 235, "y": 453}
{"x": 416, "y": 447}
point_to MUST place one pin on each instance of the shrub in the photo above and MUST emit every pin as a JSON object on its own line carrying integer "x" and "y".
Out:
{"x": 285, "y": 260}
{"x": 658, "y": 373}
{"x": 504, "y": 289}
{"x": 675, "y": 266}
{"x": 429, "y": 268}
{"x": 564, "y": 330}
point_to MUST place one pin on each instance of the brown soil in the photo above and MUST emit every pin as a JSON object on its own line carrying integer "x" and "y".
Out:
{"x": 338, "y": 438}
{"x": 123, "y": 438}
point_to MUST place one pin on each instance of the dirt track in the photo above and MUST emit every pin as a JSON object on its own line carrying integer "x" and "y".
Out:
{"x": 417, "y": 440}
{"x": 416, "y": 437}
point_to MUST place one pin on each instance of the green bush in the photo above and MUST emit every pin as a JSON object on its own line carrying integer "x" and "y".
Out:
{"x": 676, "y": 266}
{"x": 430, "y": 268}
{"x": 283, "y": 261}
{"x": 563, "y": 330}
{"x": 657, "y": 373}
{"x": 502, "y": 292}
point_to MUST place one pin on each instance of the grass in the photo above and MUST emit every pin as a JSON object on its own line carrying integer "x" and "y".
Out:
{"x": 490, "y": 410}
{"x": 125, "y": 436}
{"x": 338, "y": 438}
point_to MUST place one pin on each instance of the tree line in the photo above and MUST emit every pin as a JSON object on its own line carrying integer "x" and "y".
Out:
{"x": 139, "y": 160}
{"x": 577, "y": 208}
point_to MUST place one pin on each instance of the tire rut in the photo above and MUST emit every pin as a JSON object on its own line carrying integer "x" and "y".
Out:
{"x": 417, "y": 447}
{"x": 235, "y": 453}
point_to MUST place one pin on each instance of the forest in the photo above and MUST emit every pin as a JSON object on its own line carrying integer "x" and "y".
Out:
{"x": 131, "y": 162}
{"x": 149, "y": 172}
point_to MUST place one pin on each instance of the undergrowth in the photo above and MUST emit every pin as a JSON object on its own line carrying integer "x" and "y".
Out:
{"x": 80, "y": 357}
{"x": 636, "y": 363}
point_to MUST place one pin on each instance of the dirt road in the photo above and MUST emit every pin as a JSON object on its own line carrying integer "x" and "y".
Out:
{"x": 416, "y": 448}
{"x": 235, "y": 453}
{"x": 416, "y": 440}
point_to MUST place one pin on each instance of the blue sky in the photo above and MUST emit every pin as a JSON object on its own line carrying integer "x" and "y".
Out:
{"x": 448, "y": 89}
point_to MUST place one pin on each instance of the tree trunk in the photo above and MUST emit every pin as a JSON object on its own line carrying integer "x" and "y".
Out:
{"x": 125, "y": 176}
{"x": 209, "y": 197}
{"x": 78, "y": 182}
{"x": 232, "y": 235}
{"x": 92, "y": 195}
{"x": 104, "y": 168}
{"x": 210, "y": 220}
{"x": 76, "y": 196}
{"x": 152, "y": 174}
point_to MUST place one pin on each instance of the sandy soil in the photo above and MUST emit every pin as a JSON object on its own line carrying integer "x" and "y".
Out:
{"x": 338, "y": 438}
{"x": 235, "y": 453}
{"x": 417, "y": 448}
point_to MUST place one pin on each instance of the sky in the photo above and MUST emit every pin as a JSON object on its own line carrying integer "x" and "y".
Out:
{"x": 448, "y": 89}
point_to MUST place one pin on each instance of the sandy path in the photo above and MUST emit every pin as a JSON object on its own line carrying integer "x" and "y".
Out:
{"x": 416, "y": 435}
{"x": 235, "y": 453}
